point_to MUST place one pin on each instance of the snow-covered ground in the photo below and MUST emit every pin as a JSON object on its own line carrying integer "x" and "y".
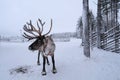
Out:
{"x": 71, "y": 64}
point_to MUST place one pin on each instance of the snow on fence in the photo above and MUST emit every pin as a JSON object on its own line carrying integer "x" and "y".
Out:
{"x": 110, "y": 40}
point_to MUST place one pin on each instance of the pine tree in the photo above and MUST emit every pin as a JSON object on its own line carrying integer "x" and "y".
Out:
{"x": 79, "y": 29}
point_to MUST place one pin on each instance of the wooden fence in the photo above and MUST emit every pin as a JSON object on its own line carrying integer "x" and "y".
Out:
{"x": 110, "y": 40}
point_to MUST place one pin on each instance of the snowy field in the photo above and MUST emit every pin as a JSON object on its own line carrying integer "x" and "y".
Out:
{"x": 71, "y": 64}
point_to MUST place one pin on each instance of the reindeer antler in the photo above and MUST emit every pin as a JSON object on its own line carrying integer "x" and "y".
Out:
{"x": 28, "y": 37}
{"x": 49, "y": 29}
{"x": 42, "y": 24}
{"x": 29, "y": 28}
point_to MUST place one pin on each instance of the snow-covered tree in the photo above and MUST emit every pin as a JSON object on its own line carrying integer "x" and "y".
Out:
{"x": 99, "y": 19}
{"x": 86, "y": 28}
{"x": 79, "y": 29}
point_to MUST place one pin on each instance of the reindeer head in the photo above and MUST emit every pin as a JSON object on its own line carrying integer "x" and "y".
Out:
{"x": 34, "y": 33}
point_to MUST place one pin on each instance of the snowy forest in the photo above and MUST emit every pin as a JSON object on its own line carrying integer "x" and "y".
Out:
{"x": 89, "y": 52}
{"x": 101, "y": 31}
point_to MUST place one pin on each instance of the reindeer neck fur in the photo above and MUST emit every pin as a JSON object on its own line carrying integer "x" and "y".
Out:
{"x": 49, "y": 46}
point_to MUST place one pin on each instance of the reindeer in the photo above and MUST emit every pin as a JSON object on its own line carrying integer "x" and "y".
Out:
{"x": 43, "y": 43}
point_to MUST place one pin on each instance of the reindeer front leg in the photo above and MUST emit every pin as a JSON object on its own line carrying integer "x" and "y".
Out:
{"x": 44, "y": 62}
{"x": 38, "y": 60}
{"x": 47, "y": 61}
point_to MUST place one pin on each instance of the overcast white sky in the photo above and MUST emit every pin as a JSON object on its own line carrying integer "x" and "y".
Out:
{"x": 15, "y": 13}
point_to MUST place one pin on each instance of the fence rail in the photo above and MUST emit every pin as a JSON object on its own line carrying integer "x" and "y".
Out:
{"x": 110, "y": 40}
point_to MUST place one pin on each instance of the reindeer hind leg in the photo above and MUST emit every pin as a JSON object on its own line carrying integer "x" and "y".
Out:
{"x": 54, "y": 68}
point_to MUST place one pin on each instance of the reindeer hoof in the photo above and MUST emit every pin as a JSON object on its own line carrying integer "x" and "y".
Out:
{"x": 38, "y": 64}
{"x": 48, "y": 63}
{"x": 43, "y": 73}
{"x": 54, "y": 71}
